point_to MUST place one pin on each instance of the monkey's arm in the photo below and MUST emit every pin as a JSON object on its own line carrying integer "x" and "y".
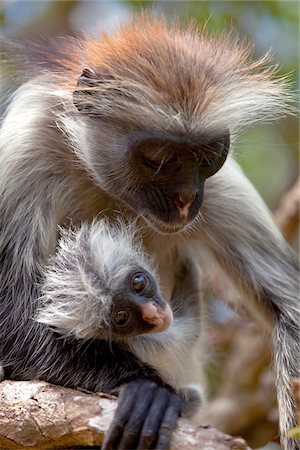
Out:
{"x": 244, "y": 239}
{"x": 242, "y": 235}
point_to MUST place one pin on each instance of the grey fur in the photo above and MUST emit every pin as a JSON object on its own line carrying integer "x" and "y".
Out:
{"x": 57, "y": 164}
{"x": 89, "y": 268}
{"x": 91, "y": 265}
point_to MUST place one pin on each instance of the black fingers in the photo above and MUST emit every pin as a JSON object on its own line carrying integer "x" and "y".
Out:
{"x": 161, "y": 420}
{"x": 169, "y": 422}
{"x": 145, "y": 418}
{"x": 125, "y": 405}
{"x": 153, "y": 419}
{"x": 135, "y": 422}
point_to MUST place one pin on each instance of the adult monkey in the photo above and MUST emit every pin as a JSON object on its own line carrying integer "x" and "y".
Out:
{"x": 136, "y": 124}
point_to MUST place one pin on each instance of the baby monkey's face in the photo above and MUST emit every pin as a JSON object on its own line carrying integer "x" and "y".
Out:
{"x": 138, "y": 308}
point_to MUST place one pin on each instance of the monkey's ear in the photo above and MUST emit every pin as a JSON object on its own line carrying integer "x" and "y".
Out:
{"x": 85, "y": 88}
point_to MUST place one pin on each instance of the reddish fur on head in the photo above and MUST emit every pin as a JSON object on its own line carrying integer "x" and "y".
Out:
{"x": 180, "y": 75}
{"x": 185, "y": 74}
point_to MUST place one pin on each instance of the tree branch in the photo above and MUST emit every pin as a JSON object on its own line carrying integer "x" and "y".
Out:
{"x": 36, "y": 415}
{"x": 287, "y": 213}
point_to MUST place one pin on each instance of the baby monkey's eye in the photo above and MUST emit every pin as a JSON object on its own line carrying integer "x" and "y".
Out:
{"x": 139, "y": 282}
{"x": 122, "y": 317}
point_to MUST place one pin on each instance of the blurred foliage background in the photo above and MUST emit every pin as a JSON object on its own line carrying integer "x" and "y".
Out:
{"x": 268, "y": 153}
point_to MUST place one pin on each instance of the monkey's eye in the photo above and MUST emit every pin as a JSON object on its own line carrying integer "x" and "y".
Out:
{"x": 122, "y": 318}
{"x": 160, "y": 163}
{"x": 151, "y": 163}
{"x": 139, "y": 282}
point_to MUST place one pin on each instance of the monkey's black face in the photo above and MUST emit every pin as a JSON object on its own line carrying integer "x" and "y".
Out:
{"x": 138, "y": 308}
{"x": 161, "y": 175}
{"x": 169, "y": 177}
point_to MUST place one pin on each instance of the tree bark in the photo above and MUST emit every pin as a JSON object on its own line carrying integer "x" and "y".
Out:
{"x": 36, "y": 415}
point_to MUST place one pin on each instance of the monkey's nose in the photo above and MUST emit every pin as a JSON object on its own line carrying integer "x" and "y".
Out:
{"x": 183, "y": 201}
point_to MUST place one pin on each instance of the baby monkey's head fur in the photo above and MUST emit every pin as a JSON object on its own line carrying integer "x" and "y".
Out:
{"x": 100, "y": 285}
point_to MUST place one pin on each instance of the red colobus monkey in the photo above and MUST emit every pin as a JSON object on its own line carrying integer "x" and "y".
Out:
{"x": 140, "y": 124}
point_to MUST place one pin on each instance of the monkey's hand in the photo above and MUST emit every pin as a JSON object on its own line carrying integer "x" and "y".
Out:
{"x": 145, "y": 418}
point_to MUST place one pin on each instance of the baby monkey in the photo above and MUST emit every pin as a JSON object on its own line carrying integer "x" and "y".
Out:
{"x": 100, "y": 287}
